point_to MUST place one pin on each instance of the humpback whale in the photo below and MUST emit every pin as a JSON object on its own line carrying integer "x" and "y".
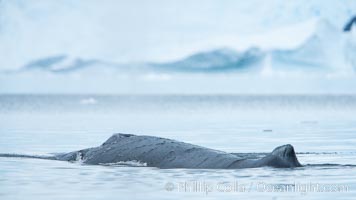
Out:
{"x": 167, "y": 153}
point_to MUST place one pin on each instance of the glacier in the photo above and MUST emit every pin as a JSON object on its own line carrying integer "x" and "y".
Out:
{"x": 326, "y": 48}
{"x": 299, "y": 48}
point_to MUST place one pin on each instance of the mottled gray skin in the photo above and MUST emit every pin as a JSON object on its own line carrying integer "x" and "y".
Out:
{"x": 166, "y": 153}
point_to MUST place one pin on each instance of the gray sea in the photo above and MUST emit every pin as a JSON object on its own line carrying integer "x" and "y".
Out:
{"x": 322, "y": 128}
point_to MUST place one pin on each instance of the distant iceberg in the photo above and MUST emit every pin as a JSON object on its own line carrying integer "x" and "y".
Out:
{"x": 60, "y": 64}
{"x": 219, "y": 60}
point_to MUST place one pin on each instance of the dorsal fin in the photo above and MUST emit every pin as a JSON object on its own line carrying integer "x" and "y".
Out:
{"x": 286, "y": 152}
{"x": 117, "y": 136}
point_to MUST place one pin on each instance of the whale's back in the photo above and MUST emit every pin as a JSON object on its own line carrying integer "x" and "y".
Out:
{"x": 156, "y": 152}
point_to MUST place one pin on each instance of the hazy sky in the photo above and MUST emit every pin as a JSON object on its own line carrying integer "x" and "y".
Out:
{"x": 138, "y": 30}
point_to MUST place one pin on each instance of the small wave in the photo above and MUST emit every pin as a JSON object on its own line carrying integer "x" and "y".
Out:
{"x": 309, "y": 122}
{"x": 132, "y": 163}
{"x": 79, "y": 158}
{"x": 259, "y": 154}
{"x": 11, "y": 155}
{"x": 318, "y": 153}
{"x": 328, "y": 165}
{"x": 267, "y": 130}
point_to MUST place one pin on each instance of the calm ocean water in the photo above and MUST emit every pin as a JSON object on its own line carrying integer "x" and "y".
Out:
{"x": 322, "y": 129}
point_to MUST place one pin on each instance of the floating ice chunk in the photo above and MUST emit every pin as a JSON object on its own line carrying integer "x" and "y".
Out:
{"x": 88, "y": 101}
